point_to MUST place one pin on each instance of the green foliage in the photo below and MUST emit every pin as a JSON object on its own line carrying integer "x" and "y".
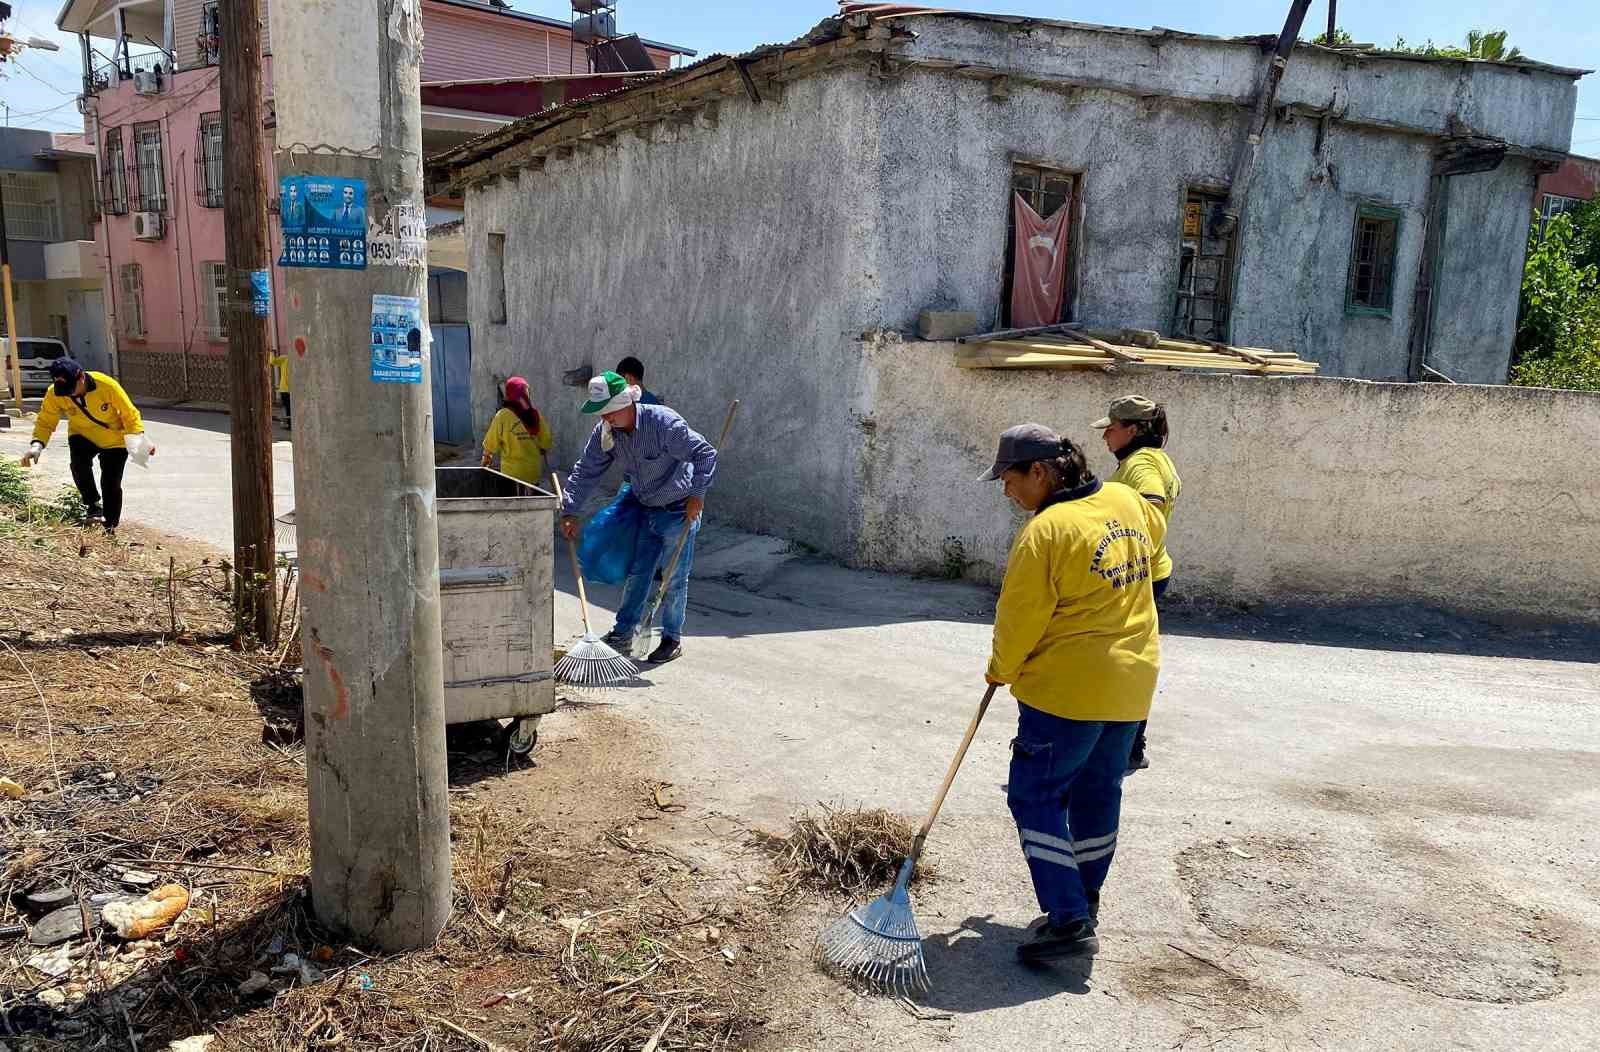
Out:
{"x": 1489, "y": 45}
{"x": 16, "y": 494}
{"x": 1558, "y": 321}
{"x": 1340, "y": 38}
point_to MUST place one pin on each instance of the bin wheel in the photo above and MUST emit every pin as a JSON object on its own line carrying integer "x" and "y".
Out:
{"x": 522, "y": 735}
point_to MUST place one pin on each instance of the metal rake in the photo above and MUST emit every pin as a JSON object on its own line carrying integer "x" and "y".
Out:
{"x": 590, "y": 665}
{"x": 878, "y": 944}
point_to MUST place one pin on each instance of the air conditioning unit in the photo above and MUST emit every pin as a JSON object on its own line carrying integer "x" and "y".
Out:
{"x": 147, "y": 82}
{"x": 147, "y": 226}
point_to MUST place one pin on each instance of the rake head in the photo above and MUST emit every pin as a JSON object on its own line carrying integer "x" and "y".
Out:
{"x": 591, "y": 665}
{"x": 878, "y": 944}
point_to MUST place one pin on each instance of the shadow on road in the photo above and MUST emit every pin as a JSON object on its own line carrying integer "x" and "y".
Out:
{"x": 975, "y": 969}
{"x": 1411, "y": 629}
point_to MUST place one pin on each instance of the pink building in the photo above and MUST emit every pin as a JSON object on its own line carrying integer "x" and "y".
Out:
{"x": 154, "y": 119}
{"x": 1576, "y": 181}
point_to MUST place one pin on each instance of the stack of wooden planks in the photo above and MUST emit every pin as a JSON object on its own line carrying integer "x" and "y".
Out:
{"x": 1076, "y": 346}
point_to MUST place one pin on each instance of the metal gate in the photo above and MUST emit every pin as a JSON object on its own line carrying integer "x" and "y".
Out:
{"x": 452, "y": 385}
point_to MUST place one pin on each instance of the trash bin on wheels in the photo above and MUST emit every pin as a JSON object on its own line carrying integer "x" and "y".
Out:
{"x": 496, "y": 592}
{"x": 496, "y": 588}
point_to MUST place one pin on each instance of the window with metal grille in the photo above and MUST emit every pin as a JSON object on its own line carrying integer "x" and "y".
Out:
{"x": 1047, "y": 191}
{"x": 208, "y": 161}
{"x": 150, "y": 177}
{"x": 33, "y": 206}
{"x": 214, "y": 296}
{"x": 1205, "y": 271}
{"x": 1370, "y": 289}
{"x": 132, "y": 305}
{"x": 208, "y": 46}
{"x": 1552, "y": 205}
{"x": 114, "y": 175}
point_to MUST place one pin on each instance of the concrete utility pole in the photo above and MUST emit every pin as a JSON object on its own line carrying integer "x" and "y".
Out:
{"x": 244, "y": 217}
{"x": 349, "y": 108}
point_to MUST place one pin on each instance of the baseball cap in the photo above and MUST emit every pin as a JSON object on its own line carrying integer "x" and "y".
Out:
{"x": 1127, "y": 409}
{"x": 1022, "y": 444}
{"x": 64, "y": 373}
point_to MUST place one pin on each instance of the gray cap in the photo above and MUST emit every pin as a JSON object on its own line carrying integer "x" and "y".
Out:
{"x": 1024, "y": 443}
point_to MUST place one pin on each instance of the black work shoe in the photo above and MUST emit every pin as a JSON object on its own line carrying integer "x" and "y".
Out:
{"x": 668, "y": 650}
{"x": 618, "y": 641}
{"x": 1052, "y": 943}
{"x": 1137, "y": 761}
{"x": 94, "y": 513}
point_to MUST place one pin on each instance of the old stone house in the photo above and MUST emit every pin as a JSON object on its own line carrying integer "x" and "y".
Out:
{"x": 752, "y": 226}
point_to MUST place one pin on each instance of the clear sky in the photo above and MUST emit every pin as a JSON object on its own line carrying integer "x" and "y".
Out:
{"x": 39, "y": 93}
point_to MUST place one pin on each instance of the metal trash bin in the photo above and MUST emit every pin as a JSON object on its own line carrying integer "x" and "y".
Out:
{"x": 496, "y": 589}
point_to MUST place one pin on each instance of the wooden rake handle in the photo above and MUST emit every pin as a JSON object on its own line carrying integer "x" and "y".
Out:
{"x": 688, "y": 527}
{"x": 950, "y": 776}
{"x": 577, "y": 571}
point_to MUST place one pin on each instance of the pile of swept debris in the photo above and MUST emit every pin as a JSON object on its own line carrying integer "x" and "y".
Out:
{"x": 153, "y": 852}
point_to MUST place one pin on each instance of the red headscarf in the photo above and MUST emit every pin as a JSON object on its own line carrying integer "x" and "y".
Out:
{"x": 518, "y": 402}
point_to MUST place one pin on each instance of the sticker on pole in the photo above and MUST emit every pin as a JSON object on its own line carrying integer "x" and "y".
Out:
{"x": 260, "y": 293}
{"x": 401, "y": 240}
{"x": 324, "y": 222}
{"x": 396, "y": 340}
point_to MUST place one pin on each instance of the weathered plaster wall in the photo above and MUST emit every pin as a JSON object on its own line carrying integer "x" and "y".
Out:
{"x": 944, "y": 176}
{"x": 1486, "y": 240}
{"x": 729, "y": 258}
{"x": 1463, "y": 496}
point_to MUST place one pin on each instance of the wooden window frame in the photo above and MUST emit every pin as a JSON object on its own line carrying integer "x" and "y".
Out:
{"x": 1021, "y": 166}
{"x": 1205, "y": 197}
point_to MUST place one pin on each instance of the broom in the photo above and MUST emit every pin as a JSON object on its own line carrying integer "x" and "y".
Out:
{"x": 878, "y": 943}
{"x": 589, "y": 664}
{"x": 647, "y": 635}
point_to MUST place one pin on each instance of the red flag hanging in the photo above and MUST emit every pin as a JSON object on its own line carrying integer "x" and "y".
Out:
{"x": 1039, "y": 265}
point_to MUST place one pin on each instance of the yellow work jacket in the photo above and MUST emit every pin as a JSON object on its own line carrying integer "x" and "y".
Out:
{"x": 1075, "y": 634}
{"x": 1149, "y": 473}
{"x": 521, "y": 454}
{"x": 103, "y": 413}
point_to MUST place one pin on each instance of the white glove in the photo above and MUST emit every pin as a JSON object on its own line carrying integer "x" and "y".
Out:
{"x": 35, "y": 451}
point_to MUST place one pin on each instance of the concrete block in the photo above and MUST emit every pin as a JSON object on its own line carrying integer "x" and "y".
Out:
{"x": 946, "y": 324}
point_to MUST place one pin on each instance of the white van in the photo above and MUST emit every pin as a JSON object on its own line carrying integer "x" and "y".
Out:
{"x": 37, "y": 354}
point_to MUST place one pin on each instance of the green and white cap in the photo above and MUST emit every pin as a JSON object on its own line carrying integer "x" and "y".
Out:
{"x": 608, "y": 393}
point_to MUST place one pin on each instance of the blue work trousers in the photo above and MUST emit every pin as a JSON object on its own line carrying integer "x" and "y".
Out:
{"x": 1066, "y": 797}
{"x": 659, "y": 533}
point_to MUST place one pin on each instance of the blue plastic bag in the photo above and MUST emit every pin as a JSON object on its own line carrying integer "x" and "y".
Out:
{"x": 606, "y": 548}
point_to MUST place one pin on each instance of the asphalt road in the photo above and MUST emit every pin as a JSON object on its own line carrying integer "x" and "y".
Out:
{"x": 185, "y": 489}
{"x": 1361, "y": 830}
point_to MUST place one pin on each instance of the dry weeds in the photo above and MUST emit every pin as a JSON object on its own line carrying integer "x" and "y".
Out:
{"x": 143, "y": 748}
{"x": 842, "y": 851}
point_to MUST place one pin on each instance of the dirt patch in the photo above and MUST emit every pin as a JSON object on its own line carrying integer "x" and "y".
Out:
{"x": 1412, "y": 918}
{"x": 1220, "y": 987}
{"x": 576, "y": 925}
{"x": 1467, "y": 798}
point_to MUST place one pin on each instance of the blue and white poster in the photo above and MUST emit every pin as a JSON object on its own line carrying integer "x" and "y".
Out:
{"x": 260, "y": 294}
{"x": 396, "y": 340}
{"x": 324, "y": 222}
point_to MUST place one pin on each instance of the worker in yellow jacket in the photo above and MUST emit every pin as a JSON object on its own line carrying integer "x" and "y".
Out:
{"x": 100, "y": 417}
{"x": 520, "y": 434}
{"x": 1075, "y": 638}
{"x": 280, "y": 373}
{"x": 1135, "y": 431}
